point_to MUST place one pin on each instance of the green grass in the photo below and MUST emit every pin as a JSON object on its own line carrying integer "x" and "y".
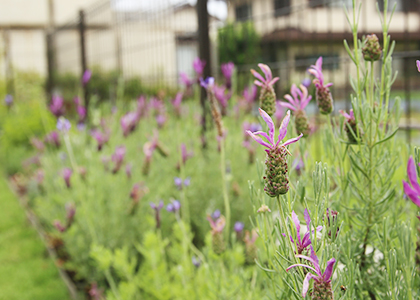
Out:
{"x": 25, "y": 270}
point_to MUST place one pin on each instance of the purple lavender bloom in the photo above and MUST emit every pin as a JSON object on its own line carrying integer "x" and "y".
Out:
{"x": 95, "y": 293}
{"x": 349, "y": 117}
{"x": 70, "y": 212}
{"x": 238, "y": 227}
{"x": 174, "y": 206}
{"x": 176, "y": 103}
{"x": 59, "y": 226}
{"x": 53, "y": 138}
{"x": 100, "y": 137}
{"x": 57, "y": 106}
{"x": 278, "y": 115}
{"x": 250, "y": 93}
{"x": 81, "y": 112}
{"x": 8, "y": 100}
{"x": 323, "y": 93}
{"x": 271, "y": 142}
{"x": 196, "y": 261}
{"x": 208, "y": 83}
{"x": 227, "y": 71}
{"x": 129, "y": 122}
{"x": 418, "y": 65}
{"x": 185, "y": 154}
{"x": 38, "y": 144}
{"x": 306, "y": 82}
{"x": 63, "y": 124}
{"x": 198, "y": 66}
{"x": 299, "y": 100}
{"x": 222, "y": 97}
{"x": 128, "y": 169}
{"x": 322, "y": 280}
{"x": 160, "y": 120}
{"x": 178, "y": 183}
{"x": 217, "y": 225}
{"x": 303, "y": 243}
{"x": 157, "y": 209}
{"x": 86, "y": 77}
{"x": 66, "y": 173}
{"x": 185, "y": 80}
{"x": 118, "y": 158}
{"x": 412, "y": 189}
{"x": 316, "y": 70}
{"x": 216, "y": 214}
{"x": 187, "y": 181}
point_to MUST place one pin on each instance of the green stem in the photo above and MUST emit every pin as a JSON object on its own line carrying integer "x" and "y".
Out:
{"x": 112, "y": 284}
{"x": 224, "y": 188}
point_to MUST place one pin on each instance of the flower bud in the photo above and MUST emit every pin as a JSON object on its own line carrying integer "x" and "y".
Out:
{"x": 322, "y": 290}
{"x": 301, "y": 123}
{"x": 276, "y": 179}
{"x": 324, "y": 100}
{"x": 372, "y": 50}
{"x": 268, "y": 100}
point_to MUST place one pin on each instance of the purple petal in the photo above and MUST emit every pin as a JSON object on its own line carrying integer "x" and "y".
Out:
{"x": 305, "y": 102}
{"x": 418, "y": 65}
{"x": 294, "y": 90}
{"x": 267, "y": 72}
{"x": 294, "y": 140}
{"x": 305, "y": 286}
{"x": 295, "y": 220}
{"x": 300, "y": 265}
{"x": 307, "y": 219}
{"x": 291, "y": 100}
{"x": 319, "y": 63}
{"x": 328, "y": 270}
{"x": 256, "y": 82}
{"x": 262, "y": 133}
{"x": 275, "y": 79}
{"x": 344, "y": 114}
{"x": 412, "y": 194}
{"x": 270, "y": 124}
{"x": 258, "y": 139}
{"x": 283, "y": 127}
{"x": 412, "y": 174}
{"x": 257, "y": 75}
{"x": 288, "y": 105}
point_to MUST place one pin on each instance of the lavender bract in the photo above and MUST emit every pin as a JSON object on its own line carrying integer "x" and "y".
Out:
{"x": 218, "y": 243}
{"x": 322, "y": 286}
{"x": 267, "y": 94}
{"x": 297, "y": 103}
{"x": 118, "y": 158}
{"x": 66, "y": 173}
{"x": 198, "y": 66}
{"x": 174, "y": 206}
{"x": 86, "y": 77}
{"x": 57, "y": 106}
{"x": 276, "y": 179}
{"x": 350, "y": 126}
{"x": 323, "y": 94}
{"x": 303, "y": 242}
{"x": 227, "y": 71}
{"x": 412, "y": 189}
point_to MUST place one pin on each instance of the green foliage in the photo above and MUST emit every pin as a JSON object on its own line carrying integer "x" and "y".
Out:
{"x": 239, "y": 43}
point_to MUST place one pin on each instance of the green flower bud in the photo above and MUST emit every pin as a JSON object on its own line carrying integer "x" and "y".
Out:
{"x": 371, "y": 50}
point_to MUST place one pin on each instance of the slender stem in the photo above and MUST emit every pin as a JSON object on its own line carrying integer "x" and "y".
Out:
{"x": 112, "y": 284}
{"x": 70, "y": 151}
{"x": 224, "y": 188}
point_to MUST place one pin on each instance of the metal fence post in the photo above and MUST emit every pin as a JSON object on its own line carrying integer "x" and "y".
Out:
{"x": 204, "y": 53}
{"x": 83, "y": 63}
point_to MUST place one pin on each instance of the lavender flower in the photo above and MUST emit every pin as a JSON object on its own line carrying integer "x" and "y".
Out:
{"x": 218, "y": 244}
{"x": 81, "y": 112}
{"x": 278, "y": 115}
{"x": 216, "y": 215}
{"x": 57, "y": 106}
{"x": 176, "y": 103}
{"x": 70, "y": 212}
{"x": 63, "y": 124}
{"x": 86, "y": 77}
{"x": 412, "y": 189}
{"x": 157, "y": 209}
{"x": 276, "y": 179}
{"x": 118, "y": 158}
{"x": 8, "y": 100}
{"x": 57, "y": 224}
{"x": 174, "y": 206}
{"x": 250, "y": 93}
{"x": 95, "y": 293}
{"x": 208, "y": 84}
{"x": 418, "y": 65}
{"x": 304, "y": 242}
{"x": 198, "y": 66}
{"x": 160, "y": 120}
{"x": 222, "y": 97}
{"x": 100, "y": 137}
{"x": 66, "y": 173}
{"x": 239, "y": 227}
{"x": 129, "y": 122}
{"x": 128, "y": 169}
{"x": 306, "y": 82}
{"x": 227, "y": 71}
{"x": 185, "y": 80}
{"x": 297, "y": 103}
{"x": 180, "y": 183}
{"x": 267, "y": 94}
{"x": 185, "y": 155}
{"x": 350, "y": 127}
{"x": 322, "y": 286}
{"x": 53, "y": 138}
{"x": 196, "y": 261}
{"x": 323, "y": 94}
{"x": 38, "y": 144}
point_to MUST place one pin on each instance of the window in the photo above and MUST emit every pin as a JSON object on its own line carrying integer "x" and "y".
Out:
{"x": 243, "y": 12}
{"x": 330, "y": 61}
{"x": 401, "y": 5}
{"x": 281, "y": 8}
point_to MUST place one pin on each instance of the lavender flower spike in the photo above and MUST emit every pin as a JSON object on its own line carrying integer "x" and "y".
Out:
{"x": 303, "y": 243}
{"x": 198, "y": 66}
{"x": 297, "y": 103}
{"x": 267, "y": 94}
{"x": 412, "y": 189}
{"x": 63, "y": 124}
{"x": 322, "y": 285}
{"x": 350, "y": 126}
{"x": 57, "y": 106}
{"x": 227, "y": 71}
{"x": 276, "y": 179}
{"x": 323, "y": 94}
{"x": 218, "y": 243}
{"x": 118, "y": 158}
{"x": 86, "y": 76}
{"x": 66, "y": 173}
{"x": 8, "y": 100}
